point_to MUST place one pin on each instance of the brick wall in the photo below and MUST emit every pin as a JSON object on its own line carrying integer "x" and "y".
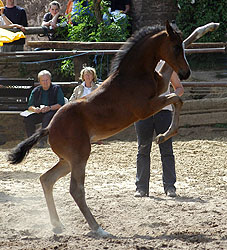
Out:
{"x": 151, "y": 12}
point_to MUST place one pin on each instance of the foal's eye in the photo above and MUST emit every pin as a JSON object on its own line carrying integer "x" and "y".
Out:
{"x": 177, "y": 49}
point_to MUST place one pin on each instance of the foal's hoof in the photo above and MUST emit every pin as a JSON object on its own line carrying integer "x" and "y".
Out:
{"x": 57, "y": 229}
{"x": 102, "y": 233}
{"x": 160, "y": 139}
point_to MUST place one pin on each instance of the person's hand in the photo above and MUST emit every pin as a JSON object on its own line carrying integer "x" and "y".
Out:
{"x": 45, "y": 109}
{"x": 37, "y": 110}
{"x": 22, "y": 28}
{"x": 53, "y": 25}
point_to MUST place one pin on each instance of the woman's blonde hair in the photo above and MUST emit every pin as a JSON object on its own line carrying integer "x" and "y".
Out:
{"x": 88, "y": 70}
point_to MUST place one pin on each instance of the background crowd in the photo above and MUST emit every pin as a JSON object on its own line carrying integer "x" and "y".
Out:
{"x": 14, "y": 16}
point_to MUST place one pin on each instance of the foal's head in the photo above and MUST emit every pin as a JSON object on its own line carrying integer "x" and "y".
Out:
{"x": 172, "y": 51}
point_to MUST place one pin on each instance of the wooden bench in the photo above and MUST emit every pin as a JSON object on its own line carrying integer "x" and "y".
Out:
{"x": 14, "y": 94}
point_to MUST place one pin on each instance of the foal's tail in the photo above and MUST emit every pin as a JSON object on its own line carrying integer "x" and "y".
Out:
{"x": 22, "y": 149}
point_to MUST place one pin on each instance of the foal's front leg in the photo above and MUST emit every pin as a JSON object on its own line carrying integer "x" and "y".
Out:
{"x": 48, "y": 180}
{"x": 173, "y": 128}
{"x": 158, "y": 103}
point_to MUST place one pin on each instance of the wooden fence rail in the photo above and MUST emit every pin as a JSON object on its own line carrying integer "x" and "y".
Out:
{"x": 81, "y": 50}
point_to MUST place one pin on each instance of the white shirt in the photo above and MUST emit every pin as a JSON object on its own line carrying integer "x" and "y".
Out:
{"x": 2, "y": 21}
{"x": 86, "y": 90}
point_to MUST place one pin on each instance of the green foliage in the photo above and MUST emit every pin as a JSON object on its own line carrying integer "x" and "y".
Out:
{"x": 195, "y": 13}
{"x": 87, "y": 29}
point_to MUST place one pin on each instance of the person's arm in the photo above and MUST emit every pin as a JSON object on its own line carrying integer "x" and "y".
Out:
{"x": 74, "y": 95}
{"x": 60, "y": 100}
{"x": 127, "y": 8}
{"x": 46, "y": 21}
{"x": 24, "y": 19}
{"x": 55, "y": 20}
{"x": 177, "y": 86}
{"x": 31, "y": 106}
{"x": 5, "y": 18}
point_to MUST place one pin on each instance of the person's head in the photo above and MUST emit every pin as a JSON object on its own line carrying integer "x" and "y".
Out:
{"x": 88, "y": 74}
{"x": 54, "y": 7}
{"x": 11, "y": 3}
{"x": 44, "y": 78}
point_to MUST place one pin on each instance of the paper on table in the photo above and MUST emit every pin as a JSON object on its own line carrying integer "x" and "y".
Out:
{"x": 26, "y": 113}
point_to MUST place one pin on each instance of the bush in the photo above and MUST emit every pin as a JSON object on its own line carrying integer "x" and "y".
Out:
{"x": 87, "y": 29}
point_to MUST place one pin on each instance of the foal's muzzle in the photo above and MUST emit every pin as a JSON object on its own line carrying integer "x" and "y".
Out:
{"x": 184, "y": 75}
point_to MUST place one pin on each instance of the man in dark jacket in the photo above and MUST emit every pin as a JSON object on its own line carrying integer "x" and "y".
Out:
{"x": 16, "y": 15}
{"x": 43, "y": 103}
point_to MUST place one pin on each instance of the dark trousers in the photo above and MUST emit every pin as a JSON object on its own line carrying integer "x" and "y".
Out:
{"x": 33, "y": 119}
{"x": 159, "y": 123}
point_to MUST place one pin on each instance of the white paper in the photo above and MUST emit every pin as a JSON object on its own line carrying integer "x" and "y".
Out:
{"x": 26, "y": 113}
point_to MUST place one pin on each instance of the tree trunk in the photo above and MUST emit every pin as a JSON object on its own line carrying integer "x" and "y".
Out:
{"x": 97, "y": 11}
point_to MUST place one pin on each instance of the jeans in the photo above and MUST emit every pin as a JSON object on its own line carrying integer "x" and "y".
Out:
{"x": 159, "y": 123}
{"x": 33, "y": 119}
{"x": 12, "y": 47}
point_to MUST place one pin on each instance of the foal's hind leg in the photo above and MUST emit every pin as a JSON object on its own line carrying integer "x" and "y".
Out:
{"x": 78, "y": 163}
{"x": 48, "y": 180}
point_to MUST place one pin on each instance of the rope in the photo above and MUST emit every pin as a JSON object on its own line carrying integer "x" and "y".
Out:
{"x": 54, "y": 60}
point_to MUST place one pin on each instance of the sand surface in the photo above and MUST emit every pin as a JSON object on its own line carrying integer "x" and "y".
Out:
{"x": 196, "y": 219}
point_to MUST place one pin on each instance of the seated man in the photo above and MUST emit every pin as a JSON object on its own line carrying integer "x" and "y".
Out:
{"x": 44, "y": 101}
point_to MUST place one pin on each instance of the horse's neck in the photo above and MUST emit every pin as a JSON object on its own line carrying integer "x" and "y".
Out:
{"x": 142, "y": 58}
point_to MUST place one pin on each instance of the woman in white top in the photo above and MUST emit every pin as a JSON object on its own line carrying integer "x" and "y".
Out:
{"x": 89, "y": 78}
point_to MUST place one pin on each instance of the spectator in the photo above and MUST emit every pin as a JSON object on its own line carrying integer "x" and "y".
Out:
{"x": 6, "y": 23}
{"x": 159, "y": 123}
{"x": 44, "y": 101}
{"x": 52, "y": 19}
{"x": 89, "y": 78}
{"x": 15, "y": 15}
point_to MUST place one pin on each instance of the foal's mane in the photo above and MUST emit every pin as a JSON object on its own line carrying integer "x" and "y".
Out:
{"x": 143, "y": 33}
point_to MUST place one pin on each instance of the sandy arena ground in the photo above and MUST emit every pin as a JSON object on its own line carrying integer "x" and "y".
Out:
{"x": 196, "y": 219}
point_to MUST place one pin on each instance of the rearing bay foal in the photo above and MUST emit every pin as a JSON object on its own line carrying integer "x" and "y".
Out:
{"x": 129, "y": 94}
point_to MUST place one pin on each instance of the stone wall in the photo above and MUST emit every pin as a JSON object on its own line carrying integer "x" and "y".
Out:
{"x": 151, "y": 12}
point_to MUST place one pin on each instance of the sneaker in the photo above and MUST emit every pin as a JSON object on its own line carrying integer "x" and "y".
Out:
{"x": 171, "y": 192}
{"x": 140, "y": 193}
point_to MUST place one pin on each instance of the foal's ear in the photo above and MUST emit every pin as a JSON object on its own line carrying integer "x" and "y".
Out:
{"x": 169, "y": 29}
